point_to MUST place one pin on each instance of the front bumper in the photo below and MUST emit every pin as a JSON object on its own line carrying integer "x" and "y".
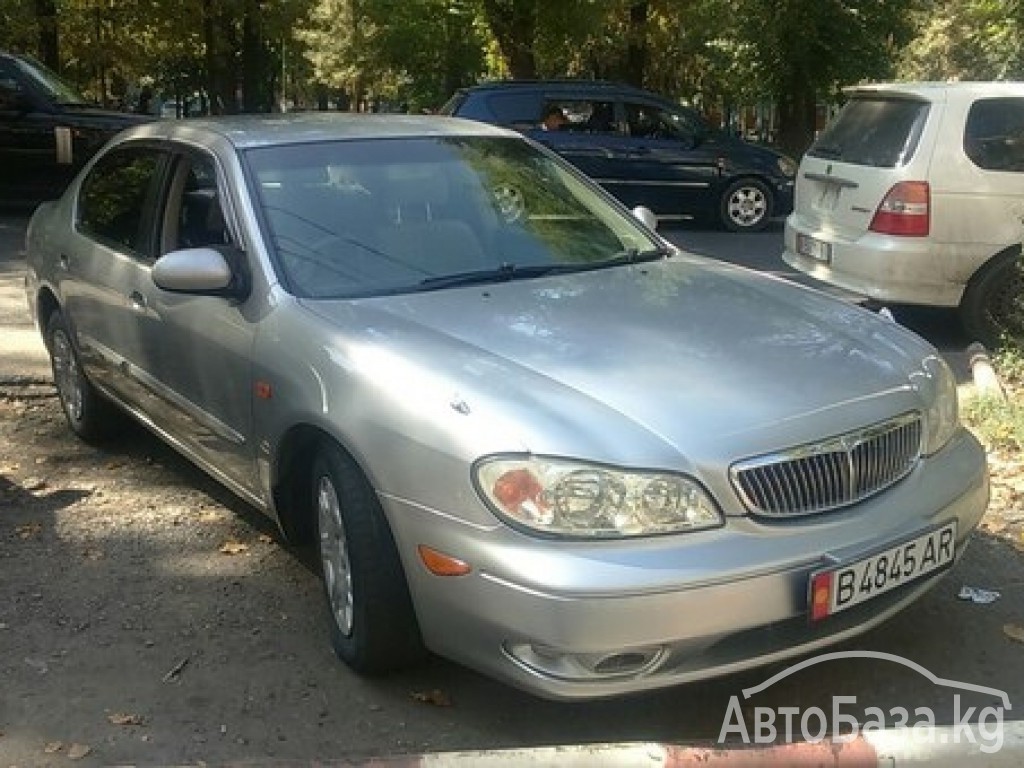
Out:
{"x": 579, "y": 620}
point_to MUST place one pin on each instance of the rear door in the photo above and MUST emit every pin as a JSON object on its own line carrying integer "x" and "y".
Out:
{"x": 593, "y": 140}
{"x": 106, "y": 266}
{"x": 876, "y": 141}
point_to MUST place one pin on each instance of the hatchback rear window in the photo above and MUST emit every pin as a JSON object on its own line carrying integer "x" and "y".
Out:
{"x": 880, "y": 132}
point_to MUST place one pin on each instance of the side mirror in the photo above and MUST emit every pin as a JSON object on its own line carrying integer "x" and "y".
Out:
{"x": 198, "y": 271}
{"x": 646, "y": 215}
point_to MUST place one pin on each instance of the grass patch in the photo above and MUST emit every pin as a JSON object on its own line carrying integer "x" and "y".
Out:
{"x": 1000, "y": 423}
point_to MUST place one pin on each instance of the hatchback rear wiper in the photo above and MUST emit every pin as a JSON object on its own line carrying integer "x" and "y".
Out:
{"x": 510, "y": 271}
{"x": 829, "y": 150}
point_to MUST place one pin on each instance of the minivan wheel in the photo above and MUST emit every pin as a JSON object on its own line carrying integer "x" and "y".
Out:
{"x": 746, "y": 206}
{"x": 992, "y": 308}
{"x": 373, "y": 625}
{"x": 88, "y": 413}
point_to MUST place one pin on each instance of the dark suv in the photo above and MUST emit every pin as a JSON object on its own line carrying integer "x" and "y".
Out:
{"x": 643, "y": 148}
{"x": 47, "y": 131}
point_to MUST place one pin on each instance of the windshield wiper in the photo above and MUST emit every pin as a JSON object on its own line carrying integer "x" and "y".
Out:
{"x": 509, "y": 271}
{"x": 829, "y": 150}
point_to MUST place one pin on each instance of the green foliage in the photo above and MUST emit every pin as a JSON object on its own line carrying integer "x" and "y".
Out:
{"x": 966, "y": 40}
{"x": 998, "y": 422}
{"x": 411, "y": 51}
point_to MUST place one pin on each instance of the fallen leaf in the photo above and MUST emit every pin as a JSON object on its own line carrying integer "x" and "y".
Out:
{"x": 53, "y": 747}
{"x": 78, "y": 751}
{"x": 994, "y": 526}
{"x": 28, "y": 530}
{"x": 437, "y": 697}
{"x": 1014, "y": 632}
{"x": 115, "y": 464}
{"x": 233, "y": 548}
{"x": 124, "y": 718}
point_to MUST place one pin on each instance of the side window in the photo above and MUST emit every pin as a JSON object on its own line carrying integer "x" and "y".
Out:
{"x": 10, "y": 87}
{"x": 584, "y": 115}
{"x": 116, "y": 197}
{"x": 652, "y": 122}
{"x": 994, "y": 135}
{"x": 514, "y": 109}
{"x": 194, "y": 217}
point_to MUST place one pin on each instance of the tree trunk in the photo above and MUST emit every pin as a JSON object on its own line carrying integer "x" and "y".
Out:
{"x": 253, "y": 56}
{"x": 46, "y": 23}
{"x": 514, "y": 25}
{"x": 797, "y": 111}
{"x": 636, "y": 52}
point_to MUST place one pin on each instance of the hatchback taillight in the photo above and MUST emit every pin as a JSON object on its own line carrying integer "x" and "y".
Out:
{"x": 906, "y": 210}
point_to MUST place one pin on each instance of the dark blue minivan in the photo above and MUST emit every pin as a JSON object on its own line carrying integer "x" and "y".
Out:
{"x": 642, "y": 148}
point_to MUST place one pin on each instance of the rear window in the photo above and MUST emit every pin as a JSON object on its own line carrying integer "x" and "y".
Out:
{"x": 879, "y": 132}
{"x": 994, "y": 135}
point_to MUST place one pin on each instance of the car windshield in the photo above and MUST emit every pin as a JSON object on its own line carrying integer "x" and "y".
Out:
{"x": 370, "y": 217}
{"x": 56, "y": 89}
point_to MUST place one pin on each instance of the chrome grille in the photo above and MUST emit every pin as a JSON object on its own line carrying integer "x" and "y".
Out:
{"x": 831, "y": 474}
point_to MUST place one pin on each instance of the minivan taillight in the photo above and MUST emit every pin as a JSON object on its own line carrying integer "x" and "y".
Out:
{"x": 906, "y": 210}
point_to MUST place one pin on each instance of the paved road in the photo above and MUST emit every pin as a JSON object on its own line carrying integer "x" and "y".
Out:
{"x": 952, "y": 639}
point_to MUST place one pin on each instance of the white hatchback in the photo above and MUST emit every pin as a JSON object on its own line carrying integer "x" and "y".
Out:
{"x": 914, "y": 194}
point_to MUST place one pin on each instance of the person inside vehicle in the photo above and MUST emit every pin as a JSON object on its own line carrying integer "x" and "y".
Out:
{"x": 554, "y": 118}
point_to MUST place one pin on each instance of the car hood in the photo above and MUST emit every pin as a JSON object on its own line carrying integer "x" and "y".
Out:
{"x": 686, "y": 351}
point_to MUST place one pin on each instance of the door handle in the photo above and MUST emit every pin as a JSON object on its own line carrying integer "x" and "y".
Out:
{"x": 137, "y": 300}
{"x": 64, "y": 262}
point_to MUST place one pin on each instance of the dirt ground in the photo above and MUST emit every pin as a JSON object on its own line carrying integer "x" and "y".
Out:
{"x": 149, "y": 617}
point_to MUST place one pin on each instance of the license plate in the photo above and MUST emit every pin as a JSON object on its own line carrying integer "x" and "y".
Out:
{"x": 845, "y": 586}
{"x": 816, "y": 249}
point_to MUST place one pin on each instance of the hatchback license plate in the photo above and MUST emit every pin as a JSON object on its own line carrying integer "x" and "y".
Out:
{"x": 838, "y": 589}
{"x": 816, "y": 249}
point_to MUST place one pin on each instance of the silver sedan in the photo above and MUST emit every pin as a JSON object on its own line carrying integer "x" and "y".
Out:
{"x": 522, "y": 430}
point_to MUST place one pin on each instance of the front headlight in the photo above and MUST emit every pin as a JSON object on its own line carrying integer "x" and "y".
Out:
{"x": 937, "y": 386}
{"x": 562, "y": 497}
{"x": 787, "y": 166}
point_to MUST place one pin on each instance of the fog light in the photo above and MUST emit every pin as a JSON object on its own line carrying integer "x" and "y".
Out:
{"x": 587, "y": 666}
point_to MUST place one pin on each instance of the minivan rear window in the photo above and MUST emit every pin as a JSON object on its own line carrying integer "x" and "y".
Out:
{"x": 877, "y": 131}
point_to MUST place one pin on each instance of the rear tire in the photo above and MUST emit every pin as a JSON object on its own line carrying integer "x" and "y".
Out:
{"x": 746, "y": 206}
{"x": 373, "y": 625}
{"x": 992, "y": 308}
{"x": 90, "y": 416}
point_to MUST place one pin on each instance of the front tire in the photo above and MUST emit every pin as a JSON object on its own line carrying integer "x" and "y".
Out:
{"x": 746, "y": 206}
{"x": 88, "y": 413}
{"x": 373, "y": 625}
{"x": 992, "y": 308}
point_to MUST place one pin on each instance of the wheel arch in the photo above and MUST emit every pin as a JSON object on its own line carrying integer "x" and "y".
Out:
{"x": 46, "y": 304}
{"x": 289, "y": 468}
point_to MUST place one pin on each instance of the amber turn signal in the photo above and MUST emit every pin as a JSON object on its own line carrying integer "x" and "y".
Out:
{"x": 440, "y": 564}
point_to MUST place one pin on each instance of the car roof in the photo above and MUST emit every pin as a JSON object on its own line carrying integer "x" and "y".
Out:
{"x": 245, "y": 131}
{"x": 936, "y": 91}
{"x": 556, "y": 84}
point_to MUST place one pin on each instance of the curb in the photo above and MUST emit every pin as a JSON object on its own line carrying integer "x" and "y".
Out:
{"x": 943, "y": 746}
